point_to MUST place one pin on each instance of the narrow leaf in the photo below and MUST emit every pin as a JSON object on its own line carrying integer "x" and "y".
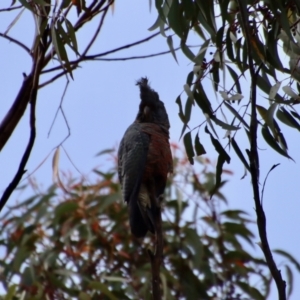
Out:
{"x": 289, "y": 257}
{"x": 218, "y": 146}
{"x": 187, "y": 140}
{"x": 171, "y": 47}
{"x": 285, "y": 117}
{"x": 239, "y": 153}
{"x": 272, "y": 142}
{"x": 198, "y": 146}
{"x": 289, "y": 91}
{"x": 274, "y": 89}
{"x": 236, "y": 114}
{"x": 224, "y": 125}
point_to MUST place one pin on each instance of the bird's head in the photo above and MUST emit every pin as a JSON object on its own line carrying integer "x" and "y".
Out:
{"x": 151, "y": 109}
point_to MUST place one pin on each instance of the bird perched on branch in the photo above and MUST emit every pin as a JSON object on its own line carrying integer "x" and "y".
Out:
{"x": 144, "y": 161}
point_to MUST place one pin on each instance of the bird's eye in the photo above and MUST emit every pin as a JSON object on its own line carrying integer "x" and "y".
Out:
{"x": 146, "y": 110}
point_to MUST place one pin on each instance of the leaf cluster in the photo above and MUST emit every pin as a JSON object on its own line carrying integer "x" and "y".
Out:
{"x": 75, "y": 243}
{"x": 222, "y": 62}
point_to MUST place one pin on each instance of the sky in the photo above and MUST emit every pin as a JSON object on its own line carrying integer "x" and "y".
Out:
{"x": 102, "y": 102}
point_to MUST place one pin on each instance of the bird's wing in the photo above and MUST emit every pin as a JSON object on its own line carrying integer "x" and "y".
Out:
{"x": 132, "y": 156}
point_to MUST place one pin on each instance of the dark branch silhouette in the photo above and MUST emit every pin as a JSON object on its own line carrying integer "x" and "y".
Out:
{"x": 254, "y": 160}
{"x": 156, "y": 258}
{"x": 32, "y": 97}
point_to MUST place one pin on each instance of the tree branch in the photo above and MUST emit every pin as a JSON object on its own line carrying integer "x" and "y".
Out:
{"x": 254, "y": 160}
{"x": 32, "y": 96}
{"x": 157, "y": 257}
{"x": 5, "y": 36}
{"x": 96, "y": 32}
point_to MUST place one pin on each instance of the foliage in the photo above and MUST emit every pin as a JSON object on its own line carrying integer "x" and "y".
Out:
{"x": 243, "y": 50}
{"x": 223, "y": 62}
{"x": 73, "y": 242}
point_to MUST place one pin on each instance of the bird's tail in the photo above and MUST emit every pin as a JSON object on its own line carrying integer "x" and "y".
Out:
{"x": 137, "y": 222}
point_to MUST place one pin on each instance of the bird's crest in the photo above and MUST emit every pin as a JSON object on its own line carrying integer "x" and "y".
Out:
{"x": 151, "y": 109}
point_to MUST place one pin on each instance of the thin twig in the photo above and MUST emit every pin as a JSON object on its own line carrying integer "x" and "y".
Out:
{"x": 87, "y": 58}
{"x": 74, "y": 64}
{"x": 10, "y": 8}
{"x": 5, "y": 36}
{"x": 96, "y": 33}
{"x": 60, "y": 109}
{"x": 125, "y": 46}
{"x": 62, "y": 73}
{"x": 254, "y": 160}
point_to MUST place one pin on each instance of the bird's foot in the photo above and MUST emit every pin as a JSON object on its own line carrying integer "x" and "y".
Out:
{"x": 160, "y": 200}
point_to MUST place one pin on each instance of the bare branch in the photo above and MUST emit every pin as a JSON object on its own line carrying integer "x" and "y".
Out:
{"x": 94, "y": 58}
{"x": 5, "y": 36}
{"x": 58, "y": 109}
{"x": 254, "y": 159}
{"x": 57, "y": 76}
{"x": 131, "y": 57}
{"x": 96, "y": 33}
{"x": 128, "y": 45}
{"x": 11, "y": 8}
{"x": 32, "y": 96}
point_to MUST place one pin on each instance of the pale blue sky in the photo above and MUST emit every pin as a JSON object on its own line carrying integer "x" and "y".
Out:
{"x": 102, "y": 102}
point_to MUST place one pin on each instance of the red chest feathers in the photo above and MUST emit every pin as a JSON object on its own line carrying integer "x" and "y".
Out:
{"x": 159, "y": 158}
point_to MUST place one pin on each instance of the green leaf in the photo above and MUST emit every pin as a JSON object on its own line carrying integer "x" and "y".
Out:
{"x": 224, "y": 125}
{"x": 101, "y": 287}
{"x": 105, "y": 151}
{"x": 187, "y": 140}
{"x": 269, "y": 117}
{"x": 84, "y": 296}
{"x": 175, "y": 18}
{"x": 27, "y": 5}
{"x": 156, "y": 24}
{"x": 236, "y": 114}
{"x": 239, "y": 229}
{"x": 11, "y": 293}
{"x": 219, "y": 41}
{"x": 201, "y": 54}
{"x": 218, "y": 146}
{"x": 60, "y": 50}
{"x": 192, "y": 239}
{"x": 235, "y": 78}
{"x": 285, "y": 117}
{"x": 229, "y": 47}
{"x": 219, "y": 170}
{"x": 65, "y": 208}
{"x": 223, "y": 156}
{"x": 188, "y": 109}
{"x": 187, "y": 51}
{"x": 215, "y": 73}
{"x": 295, "y": 114}
{"x": 272, "y": 142}
{"x": 290, "y": 280}
{"x": 198, "y": 146}
{"x": 171, "y": 47}
{"x": 226, "y": 15}
{"x": 72, "y": 35}
{"x": 290, "y": 258}
{"x": 251, "y": 291}
{"x": 202, "y": 100}
{"x": 190, "y": 77}
{"x": 239, "y": 153}
{"x": 207, "y": 19}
